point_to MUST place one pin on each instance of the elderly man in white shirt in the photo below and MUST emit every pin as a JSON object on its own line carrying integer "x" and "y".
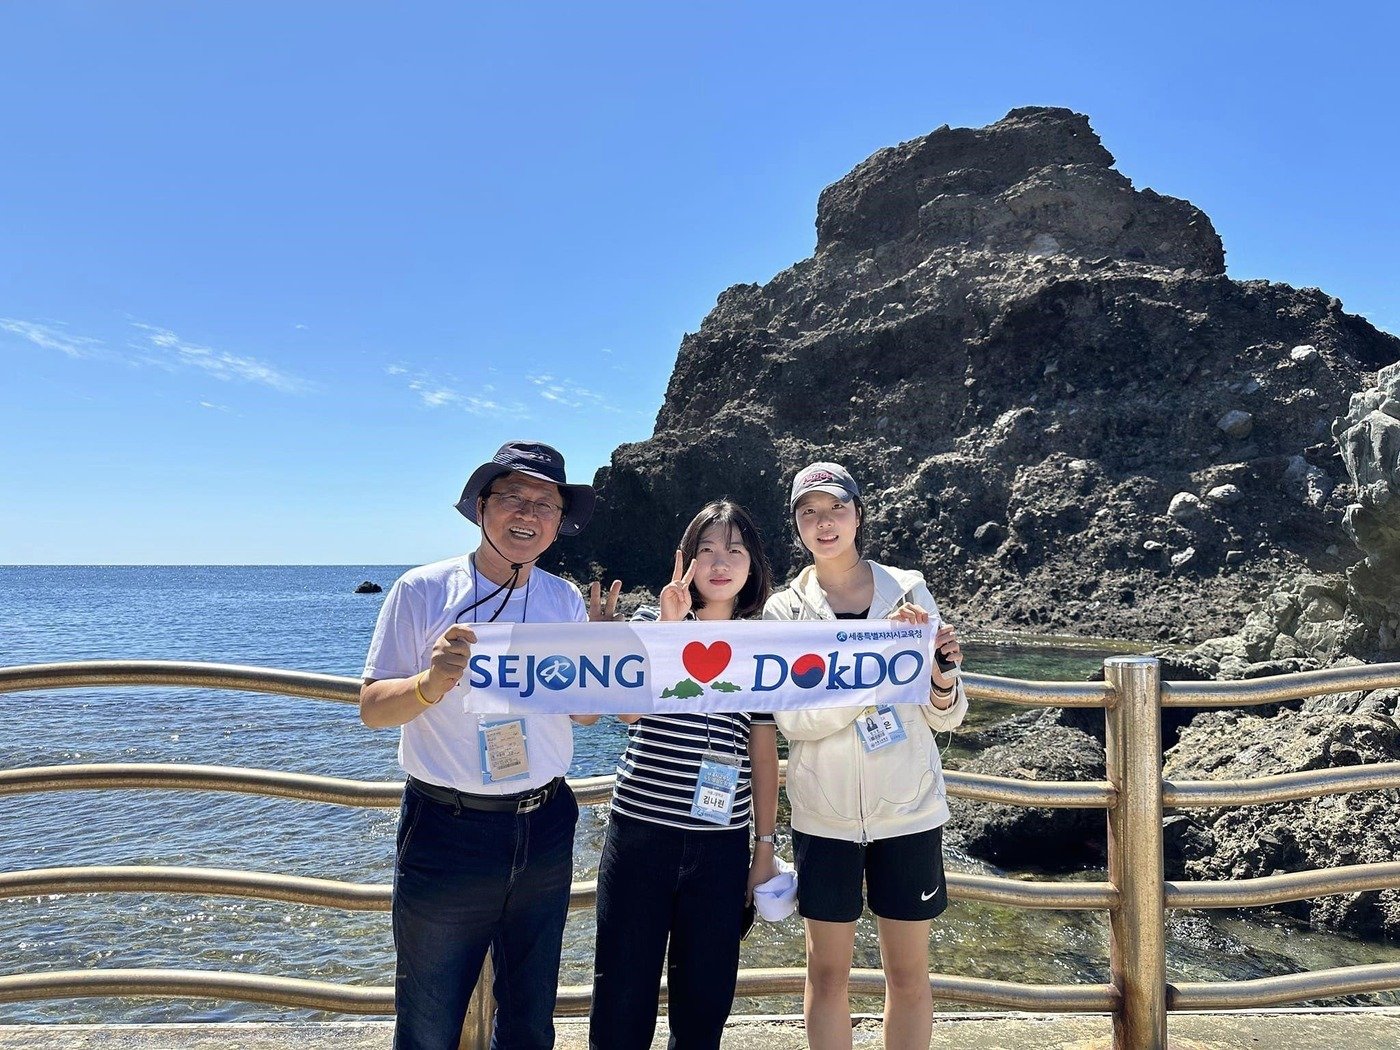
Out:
{"x": 485, "y": 840}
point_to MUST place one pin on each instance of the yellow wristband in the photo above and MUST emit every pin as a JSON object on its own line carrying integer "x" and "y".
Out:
{"x": 418, "y": 691}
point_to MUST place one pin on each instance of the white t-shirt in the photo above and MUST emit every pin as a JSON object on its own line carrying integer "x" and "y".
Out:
{"x": 441, "y": 745}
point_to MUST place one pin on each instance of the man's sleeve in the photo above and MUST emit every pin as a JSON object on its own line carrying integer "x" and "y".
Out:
{"x": 396, "y": 650}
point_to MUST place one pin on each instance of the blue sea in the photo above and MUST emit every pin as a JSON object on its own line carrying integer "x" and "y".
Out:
{"x": 308, "y": 618}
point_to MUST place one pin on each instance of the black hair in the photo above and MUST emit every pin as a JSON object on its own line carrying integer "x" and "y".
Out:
{"x": 754, "y": 594}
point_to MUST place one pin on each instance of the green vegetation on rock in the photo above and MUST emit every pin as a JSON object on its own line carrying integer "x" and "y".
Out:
{"x": 683, "y": 690}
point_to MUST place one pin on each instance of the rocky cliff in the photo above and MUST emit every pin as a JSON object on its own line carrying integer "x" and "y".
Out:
{"x": 1060, "y": 406}
{"x": 1319, "y": 832}
{"x": 1066, "y": 413}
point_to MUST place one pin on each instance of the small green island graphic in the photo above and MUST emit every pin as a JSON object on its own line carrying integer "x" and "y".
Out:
{"x": 687, "y": 688}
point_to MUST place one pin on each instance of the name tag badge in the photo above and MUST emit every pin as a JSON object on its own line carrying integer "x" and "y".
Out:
{"x": 715, "y": 788}
{"x": 879, "y": 727}
{"x": 504, "y": 753}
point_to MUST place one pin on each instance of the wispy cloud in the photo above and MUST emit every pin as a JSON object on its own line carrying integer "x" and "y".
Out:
{"x": 164, "y": 349}
{"x": 52, "y": 337}
{"x": 442, "y": 390}
{"x": 157, "y": 348}
{"x": 438, "y": 396}
{"x": 447, "y": 391}
{"x": 568, "y": 394}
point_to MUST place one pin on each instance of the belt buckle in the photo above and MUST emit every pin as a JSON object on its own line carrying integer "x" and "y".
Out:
{"x": 529, "y": 805}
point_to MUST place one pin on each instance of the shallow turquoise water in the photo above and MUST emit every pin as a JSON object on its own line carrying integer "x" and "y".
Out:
{"x": 307, "y": 618}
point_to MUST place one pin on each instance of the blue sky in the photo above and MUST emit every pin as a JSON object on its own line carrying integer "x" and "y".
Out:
{"x": 275, "y": 277}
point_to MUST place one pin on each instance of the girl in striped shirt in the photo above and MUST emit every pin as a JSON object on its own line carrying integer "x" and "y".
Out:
{"x": 675, "y": 874}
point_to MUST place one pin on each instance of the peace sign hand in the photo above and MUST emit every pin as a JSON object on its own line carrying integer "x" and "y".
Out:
{"x": 602, "y": 609}
{"x": 675, "y": 596}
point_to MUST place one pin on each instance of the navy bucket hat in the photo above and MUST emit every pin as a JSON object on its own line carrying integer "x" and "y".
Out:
{"x": 536, "y": 460}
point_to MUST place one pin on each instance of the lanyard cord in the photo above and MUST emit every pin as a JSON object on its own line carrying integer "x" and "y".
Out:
{"x": 509, "y": 587}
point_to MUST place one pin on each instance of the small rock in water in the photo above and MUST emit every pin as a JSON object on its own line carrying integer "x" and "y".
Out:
{"x": 1183, "y": 558}
{"x": 1304, "y": 354}
{"x": 1236, "y": 423}
{"x": 1184, "y": 506}
{"x": 368, "y": 587}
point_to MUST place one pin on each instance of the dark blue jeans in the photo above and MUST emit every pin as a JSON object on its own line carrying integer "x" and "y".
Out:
{"x": 655, "y": 884}
{"x": 466, "y": 881}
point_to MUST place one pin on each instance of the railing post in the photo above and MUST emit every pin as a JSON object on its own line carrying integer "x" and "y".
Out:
{"x": 1133, "y": 760}
{"x": 481, "y": 1011}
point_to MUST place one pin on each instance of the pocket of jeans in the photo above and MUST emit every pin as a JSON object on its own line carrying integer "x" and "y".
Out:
{"x": 409, "y": 815}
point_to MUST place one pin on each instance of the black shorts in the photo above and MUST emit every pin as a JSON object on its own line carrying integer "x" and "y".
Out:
{"x": 903, "y": 877}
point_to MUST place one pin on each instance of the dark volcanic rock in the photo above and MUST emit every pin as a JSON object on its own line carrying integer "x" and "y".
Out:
{"x": 1067, "y": 415}
{"x": 1251, "y": 841}
{"x": 1039, "y": 181}
{"x": 996, "y": 327}
{"x": 1309, "y": 621}
{"x": 1016, "y": 836}
{"x": 1369, "y": 439}
{"x": 1055, "y": 744}
{"x": 368, "y": 587}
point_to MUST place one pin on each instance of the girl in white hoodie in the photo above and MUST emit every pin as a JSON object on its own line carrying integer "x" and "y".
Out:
{"x": 867, "y": 807}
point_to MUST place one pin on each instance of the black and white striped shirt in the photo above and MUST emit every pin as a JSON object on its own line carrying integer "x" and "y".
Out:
{"x": 657, "y": 774}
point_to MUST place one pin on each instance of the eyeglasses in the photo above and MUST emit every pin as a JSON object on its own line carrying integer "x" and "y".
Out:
{"x": 513, "y": 504}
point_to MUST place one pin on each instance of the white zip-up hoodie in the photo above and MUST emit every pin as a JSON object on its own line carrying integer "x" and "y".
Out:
{"x": 837, "y": 790}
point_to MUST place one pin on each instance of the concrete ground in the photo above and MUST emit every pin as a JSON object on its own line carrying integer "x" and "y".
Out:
{"x": 1371, "y": 1029}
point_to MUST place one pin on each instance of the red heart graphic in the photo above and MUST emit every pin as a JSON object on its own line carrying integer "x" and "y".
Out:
{"x": 706, "y": 661}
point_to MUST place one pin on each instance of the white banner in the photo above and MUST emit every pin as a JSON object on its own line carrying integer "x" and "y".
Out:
{"x": 695, "y": 665}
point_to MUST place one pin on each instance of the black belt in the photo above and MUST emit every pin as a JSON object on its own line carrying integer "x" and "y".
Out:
{"x": 524, "y": 802}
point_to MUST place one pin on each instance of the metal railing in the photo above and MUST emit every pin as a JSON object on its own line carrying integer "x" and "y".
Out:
{"x": 1136, "y": 895}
